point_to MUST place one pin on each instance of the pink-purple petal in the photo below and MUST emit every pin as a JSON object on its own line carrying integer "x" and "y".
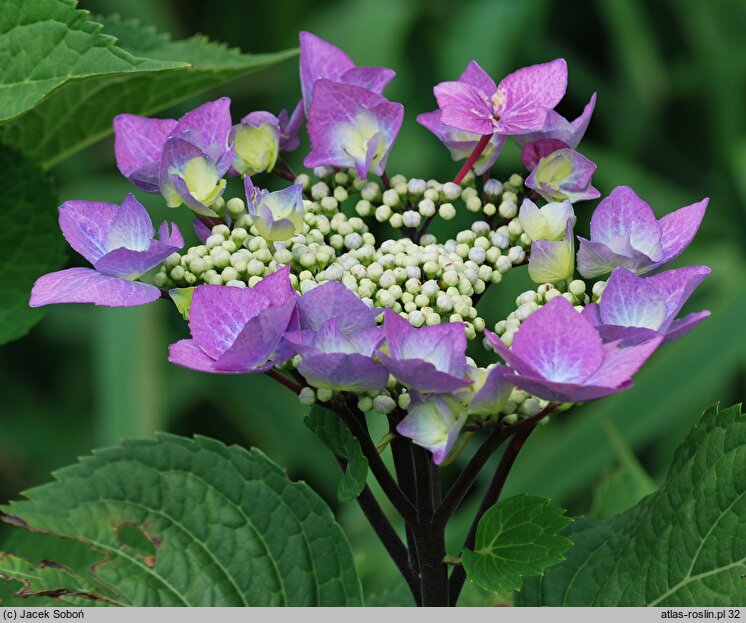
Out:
{"x": 478, "y": 77}
{"x": 422, "y": 375}
{"x": 566, "y": 392}
{"x": 631, "y": 301}
{"x": 277, "y": 287}
{"x": 465, "y": 107}
{"x": 130, "y": 264}
{"x": 219, "y": 313}
{"x": 207, "y": 127}
{"x": 86, "y": 224}
{"x": 679, "y": 228}
{"x": 620, "y": 364}
{"x": 528, "y": 94}
{"x": 258, "y": 339}
{"x": 131, "y": 227}
{"x": 559, "y": 343}
{"x": 138, "y": 143}
{"x": 372, "y": 78}
{"x": 676, "y": 286}
{"x": 623, "y": 215}
{"x": 187, "y": 354}
{"x": 334, "y": 300}
{"x": 682, "y": 326}
{"x": 85, "y": 285}
{"x": 494, "y": 393}
{"x": 343, "y": 372}
{"x": 319, "y": 59}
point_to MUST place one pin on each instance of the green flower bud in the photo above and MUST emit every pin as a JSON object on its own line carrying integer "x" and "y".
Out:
{"x": 319, "y": 191}
{"x": 307, "y": 396}
{"x": 371, "y": 192}
{"x": 341, "y": 178}
{"x": 391, "y": 198}
{"x": 404, "y": 401}
{"x": 447, "y": 211}
{"x": 577, "y": 288}
{"x": 383, "y": 403}
{"x": 364, "y": 207}
{"x": 473, "y": 204}
{"x": 365, "y": 403}
{"x": 235, "y": 207}
{"x": 396, "y": 220}
{"x": 324, "y": 395}
{"x": 383, "y": 213}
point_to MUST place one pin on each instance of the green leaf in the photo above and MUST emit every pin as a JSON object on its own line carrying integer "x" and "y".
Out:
{"x": 517, "y": 537}
{"x": 623, "y": 487}
{"x": 30, "y": 238}
{"x": 332, "y": 431}
{"x": 685, "y": 545}
{"x": 74, "y": 76}
{"x": 191, "y": 522}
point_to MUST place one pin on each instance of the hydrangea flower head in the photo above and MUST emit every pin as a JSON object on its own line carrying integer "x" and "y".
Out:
{"x": 625, "y": 233}
{"x": 319, "y": 60}
{"x": 518, "y": 105}
{"x": 185, "y": 160}
{"x": 337, "y": 339}
{"x": 633, "y": 308}
{"x": 118, "y": 240}
{"x": 557, "y": 354}
{"x": 277, "y": 215}
{"x": 350, "y": 126}
{"x": 238, "y": 330}
{"x": 563, "y": 175}
{"x": 434, "y": 423}
{"x": 427, "y": 359}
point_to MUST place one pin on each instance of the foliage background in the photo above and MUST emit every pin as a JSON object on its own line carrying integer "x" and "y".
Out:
{"x": 670, "y": 122}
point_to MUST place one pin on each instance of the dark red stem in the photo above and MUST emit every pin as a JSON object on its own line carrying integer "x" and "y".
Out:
{"x": 472, "y": 159}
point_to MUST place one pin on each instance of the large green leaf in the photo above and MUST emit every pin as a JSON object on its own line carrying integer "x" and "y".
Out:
{"x": 684, "y": 545}
{"x": 517, "y": 537}
{"x": 75, "y": 74}
{"x": 337, "y": 437}
{"x": 192, "y": 522}
{"x": 30, "y": 239}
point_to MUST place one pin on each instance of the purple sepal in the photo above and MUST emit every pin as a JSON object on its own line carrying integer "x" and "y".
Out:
{"x": 350, "y": 126}
{"x": 558, "y": 128}
{"x": 494, "y": 393}
{"x": 202, "y": 231}
{"x": 518, "y": 105}
{"x": 564, "y": 174}
{"x": 290, "y": 127}
{"x": 434, "y": 424}
{"x": 625, "y": 233}
{"x": 422, "y": 375}
{"x": 558, "y": 355}
{"x": 343, "y": 371}
{"x": 238, "y": 330}
{"x": 138, "y": 144}
{"x": 85, "y": 285}
{"x": 632, "y": 307}
{"x": 320, "y": 59}
{"x": 334, "y": 300}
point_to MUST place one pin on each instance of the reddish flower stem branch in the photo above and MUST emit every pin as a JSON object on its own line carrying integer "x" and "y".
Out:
{"x": 385, "y": 180}
{"x": 472, "y": 159}
{"x": 281, "y": 378}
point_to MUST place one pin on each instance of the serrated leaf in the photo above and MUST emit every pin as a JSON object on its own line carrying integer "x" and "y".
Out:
{"x": 338, "y": 438}
{"x": 47, "y": 582}
{"x": 222, "y": 527}
{"x": 74, "y": 76}
{"x": 30, "y": 238}
{"x": 517, "y": 537}
{"x": 684, "y": 545}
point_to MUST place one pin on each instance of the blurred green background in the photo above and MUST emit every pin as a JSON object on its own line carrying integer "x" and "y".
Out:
{"x": 670, "y": 122}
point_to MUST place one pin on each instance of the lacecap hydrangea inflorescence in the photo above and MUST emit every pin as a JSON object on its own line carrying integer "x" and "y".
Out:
{"x": 292, "y": 281}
